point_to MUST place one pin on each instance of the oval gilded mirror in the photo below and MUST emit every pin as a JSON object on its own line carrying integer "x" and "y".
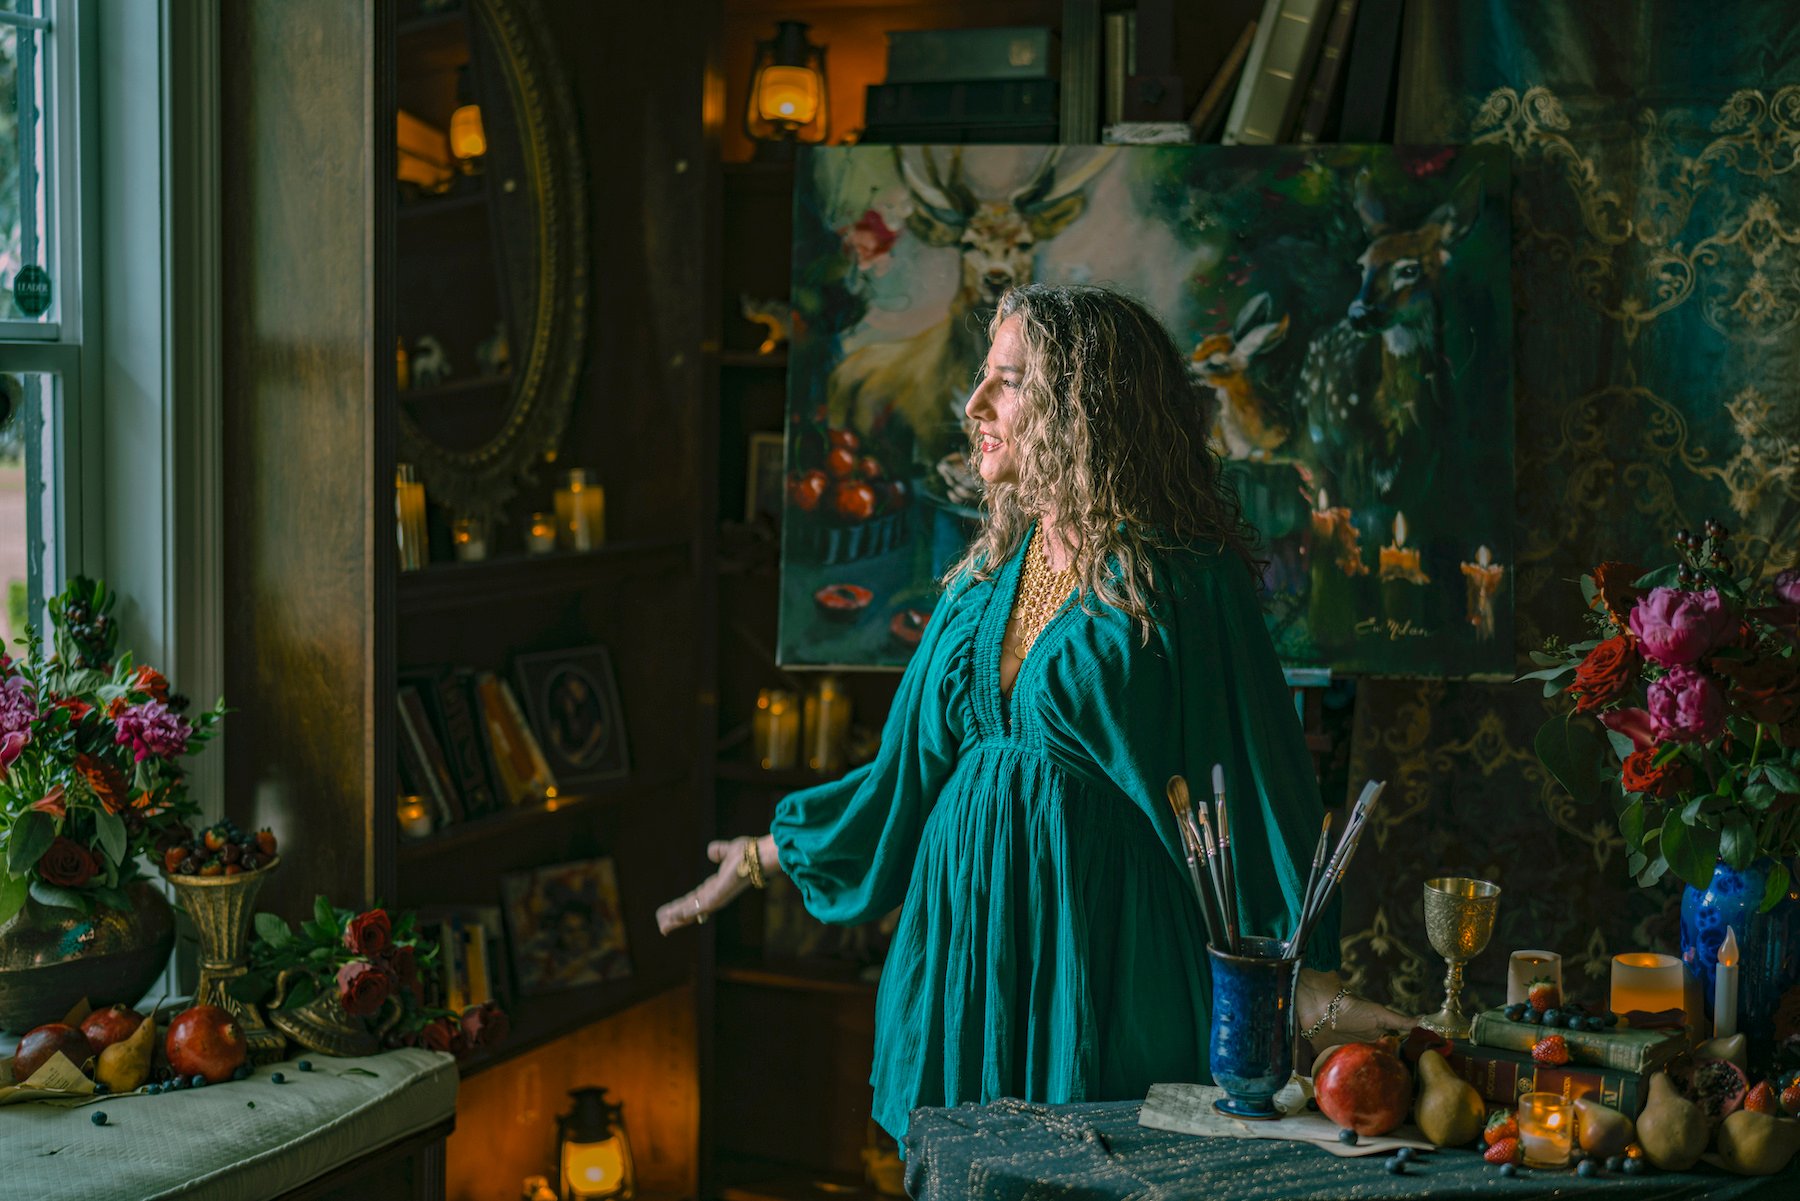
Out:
{"x": 490, "y": 234}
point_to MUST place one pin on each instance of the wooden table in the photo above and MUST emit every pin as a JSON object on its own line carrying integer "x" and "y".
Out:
{"x": 1015, "y": 1151}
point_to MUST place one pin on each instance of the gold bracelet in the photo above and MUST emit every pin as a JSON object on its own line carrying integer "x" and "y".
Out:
{"x": 750, "y": 867}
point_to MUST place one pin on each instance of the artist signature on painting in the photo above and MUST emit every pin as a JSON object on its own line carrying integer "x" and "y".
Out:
{"x": 1393, "y": 630}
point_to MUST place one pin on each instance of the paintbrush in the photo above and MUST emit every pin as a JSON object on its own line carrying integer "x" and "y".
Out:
{"x": 1190, "y": 840}
{"x": 1213, "y": 860}
{"x": 1227, "y": 873}
{"x": 1312, "y": 879}
{"x": 1334, "y": 873}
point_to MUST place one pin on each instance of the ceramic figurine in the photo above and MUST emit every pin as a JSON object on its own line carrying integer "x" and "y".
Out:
{"x": 495, "y": 354}
{"x": 429, "y": 366}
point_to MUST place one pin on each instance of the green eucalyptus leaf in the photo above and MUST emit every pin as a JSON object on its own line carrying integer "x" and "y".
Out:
{"x": 1776, "y": 888}
{"x": 1692, "y": 851}
{"x": 273, "y": 930}
{"x": 1635, "y": 861}
{"x": 30, "y": 837}
{"x": 1737, "y": 842}
{"x": 1631, "y": 824}
{"x": 1548, "y": 673}
{"x": 1589, "y": 590}
{"x": 322, "y": 911}
{"x": 1759, "y": 796}
{"x": 1572, "y": 753}
{"x": 1553, "y": 688}
{"x": 113, "y": 898}
{"x": 13, "y": 891}
{"x": 1655, "y": 870}
{"x": 58, "y": 896}
{"x": 1582, "y": 648}
{"x": 1547, "y": 660}
{"x": 1781, "y": 776}
{"x": 1690, "y": 812}
{"x": 1622, "y": 745}
{"x": 1663, "y": 577}
{"x": 113, "y": 839}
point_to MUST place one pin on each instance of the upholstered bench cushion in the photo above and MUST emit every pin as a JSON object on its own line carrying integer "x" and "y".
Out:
{"x": 246, "y": 1140}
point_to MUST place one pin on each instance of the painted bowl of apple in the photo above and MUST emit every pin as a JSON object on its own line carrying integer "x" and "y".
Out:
{"x": 842, "y": 602}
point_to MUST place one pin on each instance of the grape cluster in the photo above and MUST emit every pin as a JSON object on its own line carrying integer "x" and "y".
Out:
{"x": 1703, "y": 550}
{"x": 85, "y": 627}
{"x": 221, "y": 850}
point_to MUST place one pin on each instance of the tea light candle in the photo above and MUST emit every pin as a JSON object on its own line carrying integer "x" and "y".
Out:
{"x": 581, "y": 512}
{"x": 415, "y": 819}
{"x": 468, "y": 536}
{"x": 540, "y": 537}
{"x": 1546, "y": 1127}
{"x": 1526, "y": 966}
{"x": 1725, "y": 987}
{"x": 1646, "y": 981}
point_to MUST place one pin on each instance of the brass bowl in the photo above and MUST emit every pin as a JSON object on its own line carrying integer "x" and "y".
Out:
{"x": 51, "y": 957}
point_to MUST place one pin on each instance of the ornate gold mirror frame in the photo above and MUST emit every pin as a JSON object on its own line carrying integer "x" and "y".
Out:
{"x": 480, "y": 481}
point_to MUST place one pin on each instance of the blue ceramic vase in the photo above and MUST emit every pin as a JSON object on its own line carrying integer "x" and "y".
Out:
{"x": 1768, "y": 944}
{"x": 1252, "y": 1045}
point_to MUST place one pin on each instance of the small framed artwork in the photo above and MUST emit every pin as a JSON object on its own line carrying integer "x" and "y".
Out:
{"x": 572, "y": 702}
{"x": 564, "y": 926}
{"x": 764, "y": 482}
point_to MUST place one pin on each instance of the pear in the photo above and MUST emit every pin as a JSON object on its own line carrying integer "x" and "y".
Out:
{"x": 1605, "y": 1131}
{"x": 125, "y": 1065}
{"x": 1734, "y": 1048}
{"x": 1672, "y": 1130}
{"x": 1450, "y": 1112}
{"x": 1758, "y": 1144}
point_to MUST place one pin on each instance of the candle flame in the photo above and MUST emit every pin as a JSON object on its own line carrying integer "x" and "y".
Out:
{"x": 1483, "y": 556}
{"x": 1728, "y": 950}
{"x": 1399, "y": 529}
{"x": 1553, "y": 1119}
{"x": 1324, "y": 501}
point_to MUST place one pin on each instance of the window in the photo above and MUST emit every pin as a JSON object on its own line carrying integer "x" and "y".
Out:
{"x": 41, "y": 347}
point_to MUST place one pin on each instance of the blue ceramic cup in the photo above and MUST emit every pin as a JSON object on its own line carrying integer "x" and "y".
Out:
{"x": 1252, "y": 1045}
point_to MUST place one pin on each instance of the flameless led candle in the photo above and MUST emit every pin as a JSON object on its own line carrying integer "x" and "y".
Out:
{"x": 1646, "y": 981}
{"x": 540, "y": 539}
{"x": 415, "y": 819}
{"x": 1546, "y": 1124}
{"x": 1526, "y": 966}
{"x": 776, "y": 727}
{"x": 469, "y": 537}
{"x": 581, "y": 512}
{"x": 1725, "y": 987}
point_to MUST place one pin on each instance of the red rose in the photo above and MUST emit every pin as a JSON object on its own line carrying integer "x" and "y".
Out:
{"x": 151, "y": 681}
{"x": 362, "y": 988}
{"x": 485, "y": 1025}
{"x": 67, "y": 863}
{"x": 105, "y": 780}
{"x": 444, "y": 1035}
{"x": 1605, "y": 675}
{"x": 369, "y": 933}
{"x": 1767, "y": 689}
{"x": 1640, "y": 774}
{"x": 1614, "y": 590}
{"x": 405, "y": 962}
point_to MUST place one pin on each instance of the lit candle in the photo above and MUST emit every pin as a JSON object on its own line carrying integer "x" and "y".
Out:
{"x": 1483, "y": 577}
{"x": 1646, "y": 982}
{"x": 468, "y": 535}
{"x": 1546, "y": 1125}
{"x": 1526, "y": 966}
{"x": 409, "y": 509}
{"x": 1400, "y": 561}
{"x": 776, "y": 726}
{"x": 1402, "y": 582}
{"x": 1725, "y": 987}
{"x": 1334, "y": 558}
{"x": 581, "y": 512}
{"x": 540, "y": 539}
{"x": 415, "y": 819}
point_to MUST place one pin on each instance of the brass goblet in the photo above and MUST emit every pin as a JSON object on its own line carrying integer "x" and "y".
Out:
{"x": 1459, "y": 918}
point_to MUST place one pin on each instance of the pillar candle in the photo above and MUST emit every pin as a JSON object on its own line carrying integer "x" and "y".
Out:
{"x": 1646, "y": 981}
{"x": 1725, "y": 987}
{"x": 1526, "y": 966}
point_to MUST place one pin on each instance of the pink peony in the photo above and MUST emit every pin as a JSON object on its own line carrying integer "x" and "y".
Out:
{"x": 18, "y": 708}
{"x": 152, "y": 728}
{"x": 1633, "y": 723}
{"x": 1675, "y": 627}
{"x": 1787, "y": 586}
{"x": 1686, "y": 706}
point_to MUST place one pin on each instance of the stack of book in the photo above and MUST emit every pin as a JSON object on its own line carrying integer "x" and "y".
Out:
{"x": 465, "y": 746}
{"x": 966, "y": 86}
{"x": 1613, "y": 1066}
{"x": 1314, "y": 70}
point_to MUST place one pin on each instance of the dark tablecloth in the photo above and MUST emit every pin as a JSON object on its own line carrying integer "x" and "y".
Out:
{"x": 1014, "y": 1151}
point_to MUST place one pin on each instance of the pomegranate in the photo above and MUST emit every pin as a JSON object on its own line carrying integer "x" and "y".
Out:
{"x": 1364, "y": 1087}
{"x": 114, "y": 1024}
{"x": 39, "y": 1044}
{"x": 206, "y": 1041}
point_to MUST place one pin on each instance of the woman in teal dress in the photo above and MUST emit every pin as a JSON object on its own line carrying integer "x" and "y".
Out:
{"x": 1102, "y": 634}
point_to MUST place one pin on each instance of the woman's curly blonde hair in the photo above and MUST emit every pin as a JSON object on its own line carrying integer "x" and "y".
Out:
{"x": 1112, "y": 438}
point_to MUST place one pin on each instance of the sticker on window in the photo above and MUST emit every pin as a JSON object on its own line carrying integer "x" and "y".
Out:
{"x": 31, "y": 290}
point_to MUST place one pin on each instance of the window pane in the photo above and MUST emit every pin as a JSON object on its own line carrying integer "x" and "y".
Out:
{"x": 25, "y": 201}
{"x": 27, "y": 453}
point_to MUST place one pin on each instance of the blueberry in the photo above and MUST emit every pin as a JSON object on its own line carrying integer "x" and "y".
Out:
{"x": 1612, "y": 1019}
{"x": 278, "y": 1078}
{"x": 1636, "y": 1167}
{"x": 1587, "y": 1168}
{"x": 100, "y": 1088}
{"x": 1614, "y": 1162}
{"x": 1533, "y": 1018}
{"x": 197, "y": 1081}
{"x": 176, "y": 1085}
{"x": 99, "y": 1118}
{"x": 304, "y": 1065}
{"x": 1312, "y": 1105}
{"x": 1405, "y": 1154}
{"x": 242, "y": 1073}
{"x": 1515, "y": 1012}
{"x": 1553, "y": 1017}
{"x": 1396, "y": 1165}
{"x": 1347, "y": 1136}
{"x": 1509, "y": 1170}
{"x": 1596, "y": 1023}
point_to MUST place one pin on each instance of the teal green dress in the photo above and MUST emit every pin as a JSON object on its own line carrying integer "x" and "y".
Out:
{"x": 1050, "y": 946}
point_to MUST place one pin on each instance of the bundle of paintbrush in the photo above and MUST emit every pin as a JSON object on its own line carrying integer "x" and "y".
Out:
{"x": 1214, "y": 878}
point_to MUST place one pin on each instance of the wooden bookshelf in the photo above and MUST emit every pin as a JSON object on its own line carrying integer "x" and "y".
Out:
{"x": 443, "y": 586}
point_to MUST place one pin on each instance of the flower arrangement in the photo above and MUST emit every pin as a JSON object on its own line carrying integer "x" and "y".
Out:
{"x": 376, "y": 965}
{"x": 90, "y": 760}
{"x": 1693, "y": 674}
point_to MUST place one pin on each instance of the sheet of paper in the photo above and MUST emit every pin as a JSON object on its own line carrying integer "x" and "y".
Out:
{"x": 56, "y": 1079}
{"x": 1188, "y": 1109}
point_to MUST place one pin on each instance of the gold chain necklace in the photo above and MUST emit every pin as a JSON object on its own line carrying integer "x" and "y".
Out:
{"x": 1041, "y": 594}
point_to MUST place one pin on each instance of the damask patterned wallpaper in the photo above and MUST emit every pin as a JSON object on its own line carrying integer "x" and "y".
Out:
{"x": 1656, "y": 281}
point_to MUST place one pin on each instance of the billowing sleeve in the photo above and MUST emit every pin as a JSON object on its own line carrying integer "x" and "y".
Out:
{"x": 849, "y": 845}
{"x": 1206, "y": 689}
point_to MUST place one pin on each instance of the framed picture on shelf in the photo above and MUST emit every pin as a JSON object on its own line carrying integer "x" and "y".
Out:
{"x": 472, "y": 964}
{"x": 564, "y": 926}
{"x": 572, "y": 701}
{"x": 521, "y": 772}
{"x": 763, "y": 478}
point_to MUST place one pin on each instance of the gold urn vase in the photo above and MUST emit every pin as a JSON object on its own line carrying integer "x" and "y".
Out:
{"x": 322, "y": 1025}
{"x": 221, "y": 908}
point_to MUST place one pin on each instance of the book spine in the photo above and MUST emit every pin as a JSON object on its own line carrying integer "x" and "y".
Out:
{"x": 1275, "y": 88}
{"x": 462, "y": 744}
{"x": 1116, "y": 66}
{"x": 512, "y": 765}
{"x": 1330, "y": 70}
{"x": 1504, "y": 1081}
{"x": 543, "y": 780}
{"x": 1259, "y": 46}
{"x": 1590, "y": 1050}
{"x": 423, "y": 758}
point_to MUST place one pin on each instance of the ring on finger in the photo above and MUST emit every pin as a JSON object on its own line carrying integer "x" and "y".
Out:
{"x": 699, "y": 913}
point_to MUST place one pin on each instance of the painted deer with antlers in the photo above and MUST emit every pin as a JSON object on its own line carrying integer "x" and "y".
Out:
{"x": 1374, "y": 426}
{"x": 924, "y": 380}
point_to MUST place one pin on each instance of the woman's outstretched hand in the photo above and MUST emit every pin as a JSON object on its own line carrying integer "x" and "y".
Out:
{"x": 717, "y": 890}
{"x": 1356, "y": 1020}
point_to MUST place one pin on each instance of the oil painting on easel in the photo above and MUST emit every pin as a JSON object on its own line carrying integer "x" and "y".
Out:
{"x": 1348, "y": 317}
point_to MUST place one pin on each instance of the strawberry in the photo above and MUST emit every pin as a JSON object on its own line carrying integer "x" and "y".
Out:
{"x": 173, "y": 856}
{"x": 214, "y": 838}
{"x": 1501, "y": 1124}
{"x": 1507, "y": 1150}
{"x": 1790, "y": 1099}
{"x": 1542, "y": 994}
{"x": 1551, "y": 1050}
{"x": 265, "y": 841}
{"x": 1761, "y": 1099}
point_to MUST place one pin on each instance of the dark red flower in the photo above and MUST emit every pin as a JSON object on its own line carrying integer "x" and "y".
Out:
{"x": 1640, "y": 774}
{"x": 1606, "y": 675}
{"x": 405, "y": 962}
{"x": 1615, "y": 591}
{"x": 446, "y": 1035}
{"x": 485, "y": 1025}
{"x": 105, "y": 780}
{"x": 77, "y": 707}
{"x": 362, "y": 988}
{"x": 67, "y": 863}
{"x": 151, "y": 682}
{"x": 369, "y": 933}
